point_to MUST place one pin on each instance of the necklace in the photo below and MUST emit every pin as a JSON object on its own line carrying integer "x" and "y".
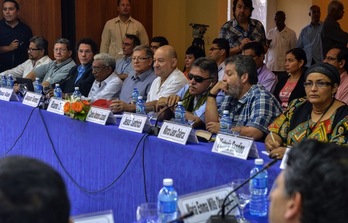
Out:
{"x": 316, "y": 123}
{"x": 119, "y": 26}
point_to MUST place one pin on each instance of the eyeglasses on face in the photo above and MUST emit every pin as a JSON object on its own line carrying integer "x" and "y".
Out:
{"x": 330, "y": 58}
{"x": 33, "y": 49}
{"x": 141, "y": 59}
{"x": 98, "y": 69}
{"x": 198, "y": 79}
{"x": 60, "y": 50}
{"x": 319, "y": 84}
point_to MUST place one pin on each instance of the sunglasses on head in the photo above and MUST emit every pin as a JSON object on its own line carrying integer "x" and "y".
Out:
{"x": 198, "y": 79}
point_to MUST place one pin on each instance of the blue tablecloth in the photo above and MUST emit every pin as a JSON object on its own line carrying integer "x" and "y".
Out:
{"x": 104, "y": 169}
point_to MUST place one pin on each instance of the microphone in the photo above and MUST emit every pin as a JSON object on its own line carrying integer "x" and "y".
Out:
{"x": 231, "y": 219}
{"x": 182, "y": 217}
{"x": 154, "y": 130}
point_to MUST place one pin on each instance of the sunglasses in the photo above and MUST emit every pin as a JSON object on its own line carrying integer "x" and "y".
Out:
{"x": 198, "y": 79}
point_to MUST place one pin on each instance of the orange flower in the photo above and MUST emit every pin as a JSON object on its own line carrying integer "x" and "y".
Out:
{"x": 66, "y": 107}
{"x": 85, "y": 102}
{"x": 77, "y": 106}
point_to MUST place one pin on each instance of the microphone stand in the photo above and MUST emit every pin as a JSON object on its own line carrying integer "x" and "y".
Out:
{"x": 231, "y": 219}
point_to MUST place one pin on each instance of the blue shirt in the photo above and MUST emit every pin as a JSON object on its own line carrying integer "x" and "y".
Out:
{"x": 142, "y": 82}
{"x": 124, "y": 66}
{"x": 257, "y": 108}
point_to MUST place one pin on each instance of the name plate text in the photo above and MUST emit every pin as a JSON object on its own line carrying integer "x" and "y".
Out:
{"x": 175, "y": 132}
{"x": 133, "y": 122}
{"x": 32, "y": 99}
{"x": 56, "y": 106}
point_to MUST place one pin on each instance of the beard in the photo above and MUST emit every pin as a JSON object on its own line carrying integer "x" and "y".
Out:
{"x": 234, "y": 90}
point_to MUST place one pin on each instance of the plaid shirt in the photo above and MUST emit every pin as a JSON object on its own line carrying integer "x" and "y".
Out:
{"x": 257, "y": 108}
{"x": 235, "y": 33}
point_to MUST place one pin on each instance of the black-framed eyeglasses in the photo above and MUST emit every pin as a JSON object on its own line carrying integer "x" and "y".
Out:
{"x": 198, "y": 79}
{"x": 319, "y": 84}
{"x": 33, "y": 49}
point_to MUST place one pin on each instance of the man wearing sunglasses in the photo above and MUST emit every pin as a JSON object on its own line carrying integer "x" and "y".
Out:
{"x": 252, "y": 108}
{"x": 202, "y": 77}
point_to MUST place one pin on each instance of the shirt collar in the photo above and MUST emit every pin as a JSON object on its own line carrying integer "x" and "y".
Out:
{"x": 142, "y": 76}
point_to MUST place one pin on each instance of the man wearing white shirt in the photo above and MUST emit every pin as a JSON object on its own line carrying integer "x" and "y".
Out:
{"x": 107, "y": 84}
{"x": 170, "y": 79}
{"x": 37, "y": 53}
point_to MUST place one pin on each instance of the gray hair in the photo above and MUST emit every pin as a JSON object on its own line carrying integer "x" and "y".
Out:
{"x": 146, "y": 48}
{"x": 106, "y": 59}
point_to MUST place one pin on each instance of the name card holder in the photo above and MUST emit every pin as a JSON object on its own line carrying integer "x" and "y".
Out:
{"x": 32, "y": 99}
{"x": 7, "y": 94}
{"x": 235, "y": 146}
{"x": 206, "y": 203}
{"x": 97, "y": 217}
{"x": 56, "y": 106}
{"x": 100, "y": 116}
{"x": 285, "y": 158}
{"x": 133, "y": 122}
{"x": 175, "y": 132}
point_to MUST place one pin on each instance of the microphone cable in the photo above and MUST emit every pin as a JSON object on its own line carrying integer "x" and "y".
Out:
{"x": 69, "y": 175}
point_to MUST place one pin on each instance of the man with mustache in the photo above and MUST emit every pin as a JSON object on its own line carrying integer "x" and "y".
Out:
{"x": 252, "y": 108}
{"x": 202, "y": 77}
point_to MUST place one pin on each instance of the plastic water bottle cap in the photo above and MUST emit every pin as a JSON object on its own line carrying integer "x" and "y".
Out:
{"x": 57, "y": 85}
{"x": 77, "y": 88}
{"x": 140, "y": 97}
{"x": 168, "y": 182}
{"x": 258, "y": 161}
{"x": 226, "y": 112}
{"x": 180, "y": 103}
{"x": 37, "y": 78}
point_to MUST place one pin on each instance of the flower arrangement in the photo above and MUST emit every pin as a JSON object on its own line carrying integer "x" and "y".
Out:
{"x": 77, "y": 109}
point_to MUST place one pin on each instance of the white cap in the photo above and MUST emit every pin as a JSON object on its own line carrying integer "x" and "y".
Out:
{"x": 36, "y": 78}
{"x": 57, "y": 85}
{"x": 77, "y": 88}
{"x": 140, "y": 97}
{"x": 167, "y": 182}
{"x": 226, "y": 112}
{"x": 180, "y": 103}
{"x": 258, "y": 161}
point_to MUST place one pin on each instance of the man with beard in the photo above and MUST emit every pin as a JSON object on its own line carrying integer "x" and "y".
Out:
{"x": 252, "y": 108}
{"x": 203, "y": 75}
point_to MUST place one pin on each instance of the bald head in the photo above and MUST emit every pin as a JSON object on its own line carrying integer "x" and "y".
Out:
{"x": 165, "y": 61}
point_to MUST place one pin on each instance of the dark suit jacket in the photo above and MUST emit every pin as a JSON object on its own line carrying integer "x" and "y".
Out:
{"x": 298, "y": 92}
{"x": 84, "y": 83}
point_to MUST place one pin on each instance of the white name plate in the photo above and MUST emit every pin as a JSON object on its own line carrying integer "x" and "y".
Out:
{"x": 7, "y": 94}
{"x": 100, "y": 116}
{"x": 285, "y": 158}
{"x": 98, "y": 217}
{"x": 206, "y": 203}
{"x": 56, "y": 106}
{"x": 32, "y": 99}
{"x": 235, "y": 146}
{"x": 175, "y": 132}
{"x": 133, "y": 122}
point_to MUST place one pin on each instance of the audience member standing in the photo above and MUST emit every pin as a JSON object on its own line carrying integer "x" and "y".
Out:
{"x": 282, "y": 39}
{"x": 14, "y": 36}
{"x": 309, "y": 39}
{"x": 116, "y": 29}
{"x": 331, "y": 34}
{"x": 242, "y": 29}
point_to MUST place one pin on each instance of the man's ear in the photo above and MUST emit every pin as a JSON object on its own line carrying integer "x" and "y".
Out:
{"x": 174, "y": 62}
{"x": 294, "y": 207}
{"x": 244, "y": 78}
{"x": 342, "y": 63}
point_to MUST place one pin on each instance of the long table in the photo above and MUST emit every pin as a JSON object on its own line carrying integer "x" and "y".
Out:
{"x": 108, "y": 168}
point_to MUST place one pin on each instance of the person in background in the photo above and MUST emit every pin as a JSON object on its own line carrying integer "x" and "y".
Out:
{"x": 115, "y": 30}
{"x": 14, "y": 37}
{"x": 320, "y": 116}
{"x": 242, "y": 29}
{"x": 157, "y": 42}
{"x": 31, "y": 192}
{"x": 252, "y": 108}
{"x": 55, "y": 71}
{"x": 291, "y": 86}
{"x": 142, "y": 79}
{"x": 123, "y": 65}
{"x": 81, "y": 75}
{"x": 192, "y": 54}
{"x": 37, "y": 53}
{"x": 169, "y": 78}
{"x": 264, "y": 75}
{"x": 313, "y": 186}
{"x": 282, "y": 39}
{"x": 219, "y": 51}
{"x": 309, "y": 39}
{"x": 107, "y": 84}
{"x": 202, "y": 77}
{"x": 332, "y": 34}
{"x": 338, "y": 57}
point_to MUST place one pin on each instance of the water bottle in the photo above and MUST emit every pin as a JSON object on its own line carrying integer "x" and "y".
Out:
{"x": 10, "y": 81}
{"x": 258, "y": 189}
{"x": 167, "y": 202}
{"x": 37, "y": 86}
{"x": 225, "y": 122}
{"x": 135, "y": 95}
{"x": 139, "y": 106}
{"x": 77, "y": 94}
{"x": 57, "y": 92}
{"x": 3, "y": 80}
{"x": 180, "y": 113}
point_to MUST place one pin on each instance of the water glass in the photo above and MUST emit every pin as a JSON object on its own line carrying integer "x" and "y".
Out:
{"x": 147, "y": 213}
